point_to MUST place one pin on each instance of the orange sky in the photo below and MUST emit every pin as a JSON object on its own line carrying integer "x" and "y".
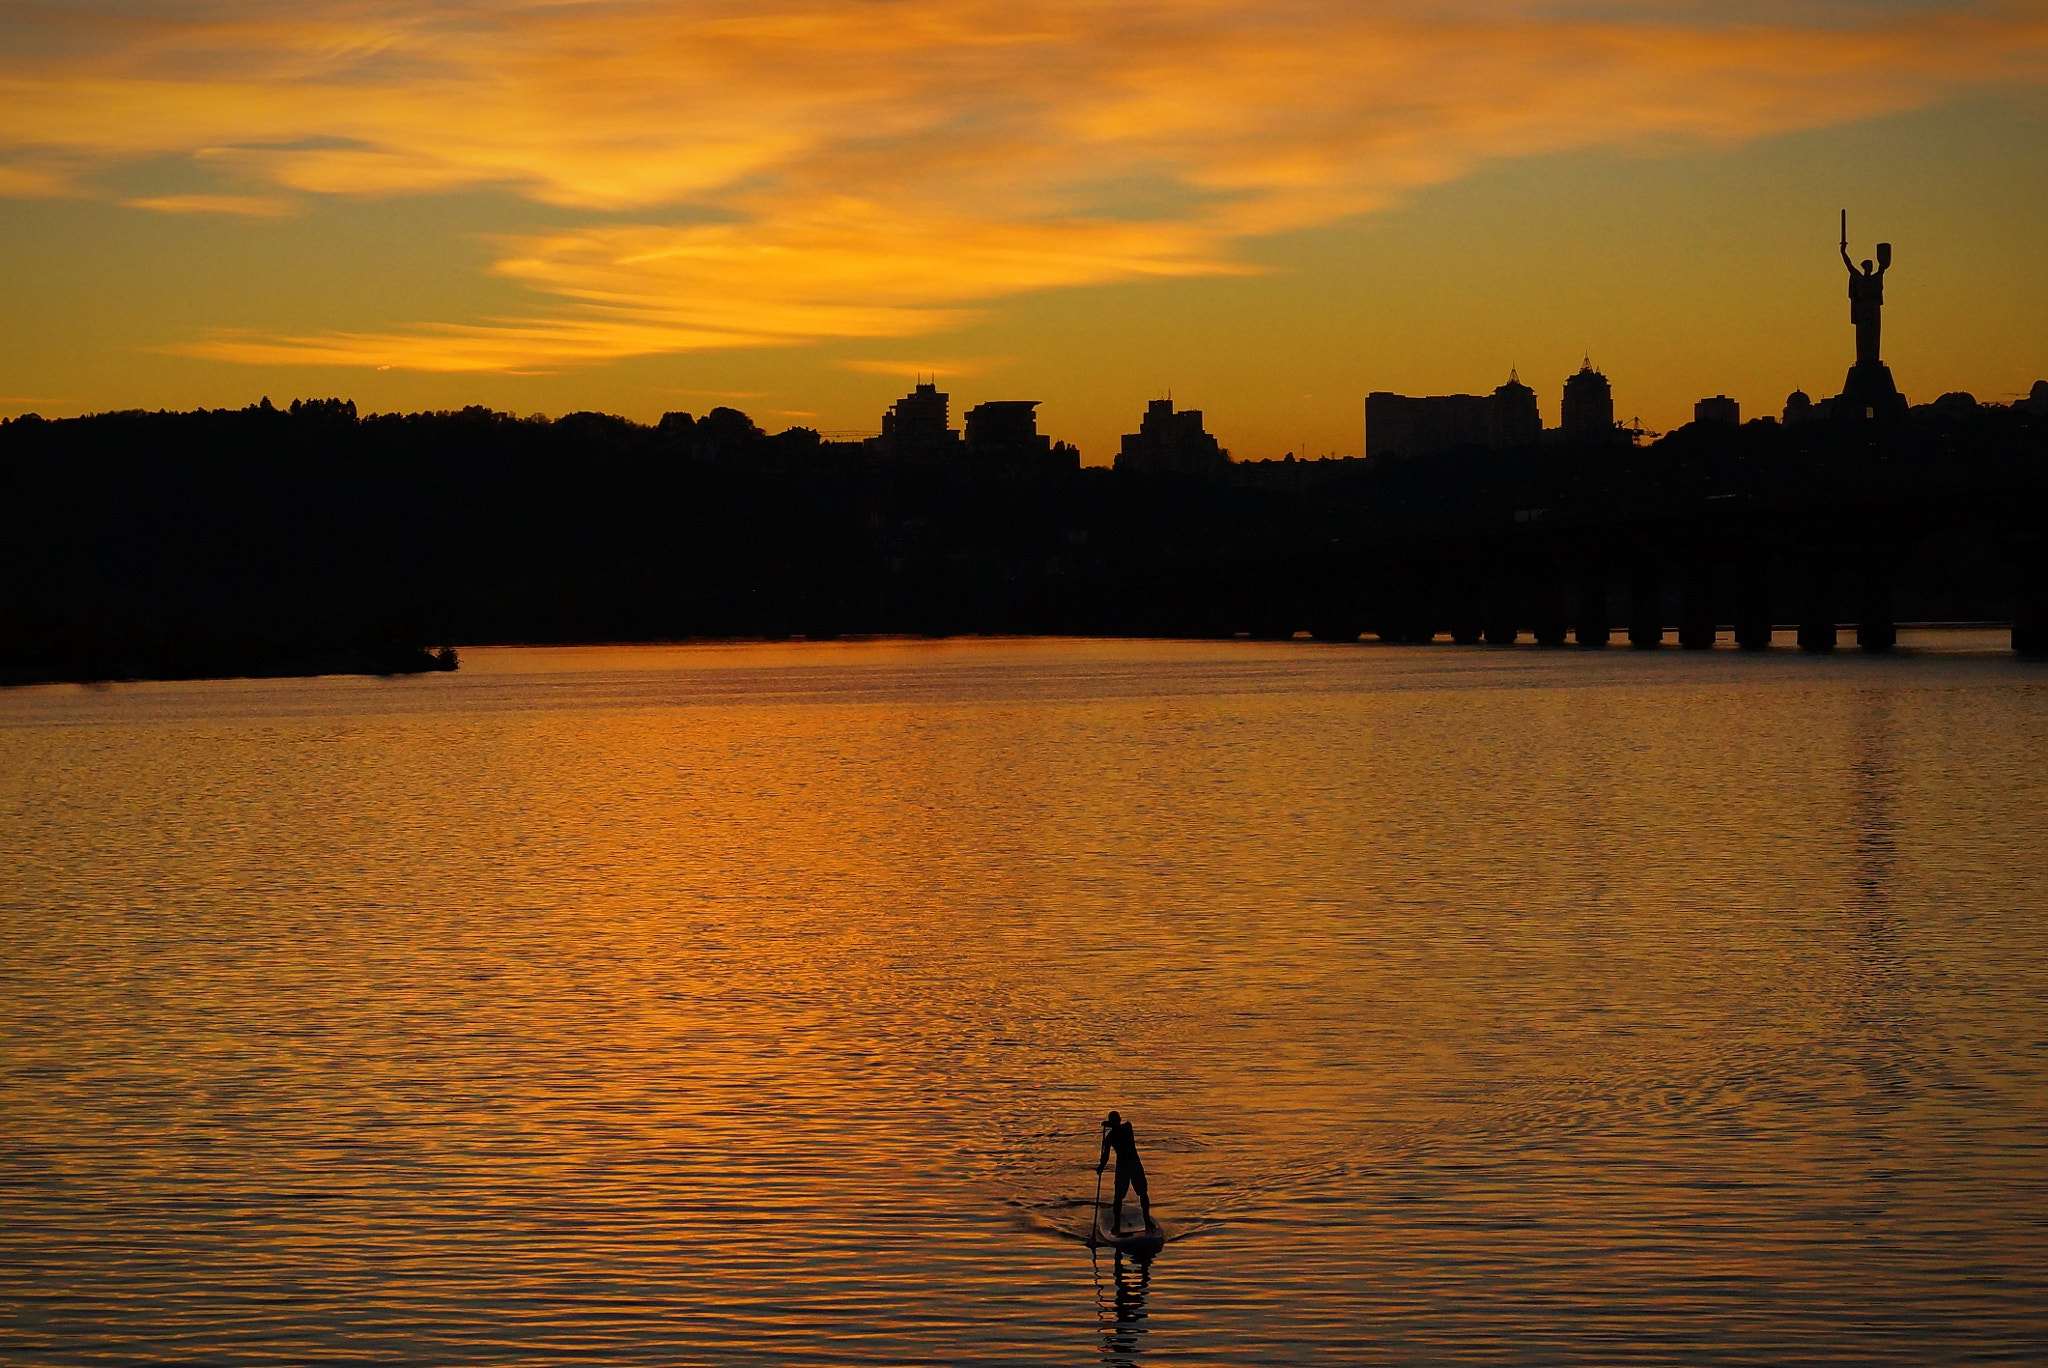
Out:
{"x": 1269, "y": 208}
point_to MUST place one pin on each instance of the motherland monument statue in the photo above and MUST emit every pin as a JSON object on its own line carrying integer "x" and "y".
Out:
{"x": 1868, "y": 392}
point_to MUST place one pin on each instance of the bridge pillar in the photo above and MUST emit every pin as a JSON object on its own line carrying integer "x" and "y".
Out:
{"x": 1547, "y": 616}
{"x": 1272, "y": 620}
{"x": 1425, "y": 607}
{"x": 1591, "y": 625}
{"x": 2030, "y": 602}
{"x": 1412, "y": 609}
{"x": 1338, "y": 612}
{"x": 1391, "y": 615}
{"x": 1696, "y": 621}
{"x": 1502, "y": 624}
{"x": 1753, "y": 616}
{"x": 1875, "y": 628}
{"x": 1645, "y": 607}
{"x": 1817, "y": 606}
{"x": 1467, "y": 611}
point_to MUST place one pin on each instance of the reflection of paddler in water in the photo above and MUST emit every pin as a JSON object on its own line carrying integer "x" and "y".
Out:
{"x": 1120, "y": 1312}
{"x": 1130, "y": 1170}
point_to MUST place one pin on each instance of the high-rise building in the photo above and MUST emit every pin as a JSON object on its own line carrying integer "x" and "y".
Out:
{"x": 1170, "y": 443}
{"x": 1719, "y": 409}
{"x": 1422, "y": 425}
{"x": 916, "y": 427}
{"x": 1587, "y": 413}
{"x": 1512, "y": 417}
{"x": 1004, "y": 433}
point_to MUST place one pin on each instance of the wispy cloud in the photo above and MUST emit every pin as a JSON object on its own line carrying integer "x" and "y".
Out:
{"x": 883, "y": 168}
{"x": 26, "y": 178}
{"x": 512, "y": 345}
{"x": 960, "y": 367}
{"x": 242, "y": 206}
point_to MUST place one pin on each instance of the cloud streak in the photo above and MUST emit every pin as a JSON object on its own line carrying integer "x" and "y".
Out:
{"x": 958, "y": 368}
{"x": 810, "y": 169}
{"x": 240, "y": 206}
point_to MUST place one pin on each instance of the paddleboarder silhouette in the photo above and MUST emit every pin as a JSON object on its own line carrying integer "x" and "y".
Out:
{"x": 1130, "y": 1170}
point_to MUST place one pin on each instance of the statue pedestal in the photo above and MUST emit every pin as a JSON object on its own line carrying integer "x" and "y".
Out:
{"x": 1868, "y": 393}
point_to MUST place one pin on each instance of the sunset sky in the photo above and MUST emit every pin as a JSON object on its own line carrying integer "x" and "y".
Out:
{"x": 1267, "y": 207}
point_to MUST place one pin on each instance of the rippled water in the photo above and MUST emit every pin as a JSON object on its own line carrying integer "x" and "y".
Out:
{"x": 757, "y": 1004}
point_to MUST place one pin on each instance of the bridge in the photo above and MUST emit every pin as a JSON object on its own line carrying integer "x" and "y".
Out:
{"x": 1838, "y": 530}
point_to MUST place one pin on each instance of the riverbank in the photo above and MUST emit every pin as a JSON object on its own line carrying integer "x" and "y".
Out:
{"x": 108, "y": 667}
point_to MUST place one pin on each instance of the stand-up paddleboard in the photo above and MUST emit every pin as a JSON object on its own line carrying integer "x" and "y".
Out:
{"x": 1130, "y": 1239}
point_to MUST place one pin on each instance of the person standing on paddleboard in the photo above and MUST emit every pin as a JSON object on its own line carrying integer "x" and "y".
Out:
{"x": 1130, "y": 1170}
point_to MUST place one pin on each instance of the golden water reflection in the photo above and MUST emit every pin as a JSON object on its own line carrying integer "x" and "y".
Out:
{"x": 757, "y": 1004}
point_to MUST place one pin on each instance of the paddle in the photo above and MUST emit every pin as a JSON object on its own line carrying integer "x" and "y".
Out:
{"x": 1095, "y": 1212}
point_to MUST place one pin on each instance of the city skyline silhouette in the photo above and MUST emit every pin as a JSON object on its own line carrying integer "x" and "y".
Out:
{"x": 645, "y": 208}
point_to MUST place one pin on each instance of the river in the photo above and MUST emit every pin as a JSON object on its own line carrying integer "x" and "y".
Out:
{"x": 758, "y": 1004}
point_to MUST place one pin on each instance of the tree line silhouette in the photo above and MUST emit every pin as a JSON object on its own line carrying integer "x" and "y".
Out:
{"x": 311, "y": 539}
